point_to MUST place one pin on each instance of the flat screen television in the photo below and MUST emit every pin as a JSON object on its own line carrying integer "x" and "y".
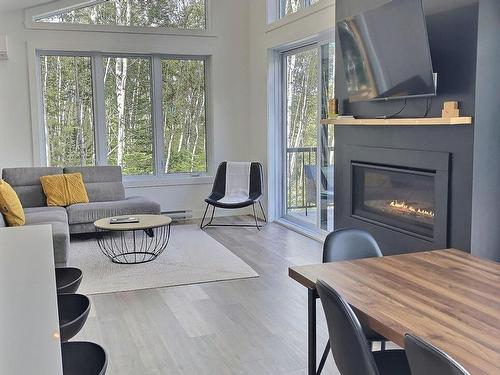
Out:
{"x": 386, "y": 52}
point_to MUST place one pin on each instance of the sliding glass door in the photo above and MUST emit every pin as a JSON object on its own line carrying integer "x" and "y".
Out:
{"x": 307, "y": 163}
{"x": 300, "y": 68}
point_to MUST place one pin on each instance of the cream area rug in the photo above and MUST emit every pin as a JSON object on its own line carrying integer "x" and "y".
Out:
{"x": 191, "y": 257}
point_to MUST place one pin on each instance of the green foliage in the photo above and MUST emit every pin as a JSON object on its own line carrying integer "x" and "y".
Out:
{"x": 291, "y": 6}
{"x": 302, "y": 89}
{"x": 69, "y": 123}
{"x": 178, "y": 14}
{"x": 302, "y": 98}
{"x": 68, "y": 98}
{"x": 68, "y": 104}
{"x": 129, "y": 123}
{"x": 184, "y": 115}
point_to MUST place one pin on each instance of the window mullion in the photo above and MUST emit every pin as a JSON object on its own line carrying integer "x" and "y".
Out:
{"x": 101, "y": 142}
{"x": 157, "y": 95}
{"x": 281, "y": 8}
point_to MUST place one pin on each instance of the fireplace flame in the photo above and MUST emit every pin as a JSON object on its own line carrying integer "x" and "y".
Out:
{"x": 404, "y": 207}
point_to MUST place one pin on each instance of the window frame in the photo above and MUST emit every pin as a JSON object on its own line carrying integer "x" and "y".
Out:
{"x": 31, "y": 14}
{"x": 100, "y": 132}
{"x": 276, "y": 117}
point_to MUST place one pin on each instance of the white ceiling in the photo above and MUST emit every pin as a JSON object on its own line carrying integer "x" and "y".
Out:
{"x": 9, "y": 5}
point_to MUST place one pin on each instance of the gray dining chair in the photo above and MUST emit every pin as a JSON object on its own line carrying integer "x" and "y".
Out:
{"x": 426, "y": 359}
{"x": 349, "y": 244}
{"x": 349, "y": 345}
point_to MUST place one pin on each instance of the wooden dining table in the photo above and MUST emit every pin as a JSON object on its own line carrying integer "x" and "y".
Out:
{"x": 447, "y": 297}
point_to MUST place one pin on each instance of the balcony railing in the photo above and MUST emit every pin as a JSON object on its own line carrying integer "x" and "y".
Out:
{"x": 301, "y": 170}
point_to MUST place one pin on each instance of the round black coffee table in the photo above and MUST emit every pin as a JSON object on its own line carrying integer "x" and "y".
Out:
{"x": 133, "y": 243}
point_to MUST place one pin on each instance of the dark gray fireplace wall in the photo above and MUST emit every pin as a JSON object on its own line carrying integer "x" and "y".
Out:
{"x": 486, "y": 187}
{"x": 452, "y": 28}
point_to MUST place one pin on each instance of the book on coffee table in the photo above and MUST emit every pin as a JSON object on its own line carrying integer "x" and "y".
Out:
{"x": 123, "y": 220}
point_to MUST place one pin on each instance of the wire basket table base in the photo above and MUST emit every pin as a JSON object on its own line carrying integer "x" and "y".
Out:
{"x": 133, "y": 246}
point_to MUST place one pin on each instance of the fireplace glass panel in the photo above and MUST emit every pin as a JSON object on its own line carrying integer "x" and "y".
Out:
{"x": 398, "y": 198}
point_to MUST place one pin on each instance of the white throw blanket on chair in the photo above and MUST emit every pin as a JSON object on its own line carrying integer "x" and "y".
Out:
{"x": 237, "y": 182}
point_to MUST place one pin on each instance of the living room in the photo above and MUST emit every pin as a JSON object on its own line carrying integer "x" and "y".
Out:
{"x": 200, "y": 173}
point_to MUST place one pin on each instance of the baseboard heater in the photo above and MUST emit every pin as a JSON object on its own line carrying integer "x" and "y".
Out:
{"x": 179, "y": 214}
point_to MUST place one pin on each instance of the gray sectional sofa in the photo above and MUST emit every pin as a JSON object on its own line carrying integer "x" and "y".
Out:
{"x": 106, "y": 198}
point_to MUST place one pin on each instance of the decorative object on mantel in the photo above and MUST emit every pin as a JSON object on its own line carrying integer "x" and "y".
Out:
{"x": 450, "y": 110}
{"x": 332, "y": 108}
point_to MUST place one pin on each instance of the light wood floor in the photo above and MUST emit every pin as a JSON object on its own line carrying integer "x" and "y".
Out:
{"x": 254, "y": 326}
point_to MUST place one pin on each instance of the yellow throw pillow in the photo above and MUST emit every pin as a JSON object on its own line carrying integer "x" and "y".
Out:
{"x": 64, "y": 189}
{"x": 10, "y": 206}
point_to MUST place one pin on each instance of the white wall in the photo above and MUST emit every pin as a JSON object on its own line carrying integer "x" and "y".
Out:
{"x": 263, "y": 39}
{"x": 229, "y": 49}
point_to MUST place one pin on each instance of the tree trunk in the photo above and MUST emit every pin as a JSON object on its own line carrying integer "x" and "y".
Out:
{"x": 45, "y": 81}
{"x": 79, "y": 114}
{"x": 169, "y": 148}
{"x": 199, "y": 107}
{"x": 121, "y": 70}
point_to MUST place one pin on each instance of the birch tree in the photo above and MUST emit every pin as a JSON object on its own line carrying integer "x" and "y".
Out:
{"x": 68, "y": 94}
{"x": 121, "y": 67}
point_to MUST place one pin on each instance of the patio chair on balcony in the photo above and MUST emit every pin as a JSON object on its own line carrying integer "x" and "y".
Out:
{"x": 310, "y": 184}
{"x": 236, "y": 185}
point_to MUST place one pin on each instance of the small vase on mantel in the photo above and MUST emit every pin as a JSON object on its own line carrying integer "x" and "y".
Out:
{"x": 332, "y": 108}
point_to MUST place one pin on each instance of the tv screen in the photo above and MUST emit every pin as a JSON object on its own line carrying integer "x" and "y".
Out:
{"x": 386, "y": 52}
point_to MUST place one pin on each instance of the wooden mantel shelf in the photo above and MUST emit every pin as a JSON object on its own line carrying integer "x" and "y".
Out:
{"x": 437, "y": 121}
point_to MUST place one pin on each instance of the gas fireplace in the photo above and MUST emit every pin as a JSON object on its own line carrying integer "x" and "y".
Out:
{"x": 398, "y": 198}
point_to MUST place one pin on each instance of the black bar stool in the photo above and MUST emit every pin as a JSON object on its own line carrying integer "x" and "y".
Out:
{"x": 73, "y": 312}
{"x": 83, "y": 358}
{"x": 68, "y": 279}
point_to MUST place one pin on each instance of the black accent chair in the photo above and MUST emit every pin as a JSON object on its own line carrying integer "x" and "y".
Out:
{"x": 426, "y": 359}
{"x": 83, "y": 358}
{"x": 219, "y": 190}
{"x": 349, "y": 244}
{"x": 68, "y": 279}
{"x": 349, "y": 345}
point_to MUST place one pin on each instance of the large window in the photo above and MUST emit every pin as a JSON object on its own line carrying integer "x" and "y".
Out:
{"x": 144, "y": 113}
{"x": 175, "y": 14}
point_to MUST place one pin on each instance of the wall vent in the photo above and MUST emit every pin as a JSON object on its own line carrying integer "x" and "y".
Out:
{"x": 178, "y": 215}
{"x": 3, "y": 48}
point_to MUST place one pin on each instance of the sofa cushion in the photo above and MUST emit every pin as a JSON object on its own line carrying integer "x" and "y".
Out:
{"x": 10, "y": 205}
{"x": 90, "y": 212}
{"x": 41, "y": 215}
{"x": 103, "y": 183}
{"x": 58, "y": 220}
{"x": 64, "y": 189}
{"x": 26, "y": 183}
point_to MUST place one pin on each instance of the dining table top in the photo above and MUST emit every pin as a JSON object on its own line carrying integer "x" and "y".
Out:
{"x": 447, "y": 297}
